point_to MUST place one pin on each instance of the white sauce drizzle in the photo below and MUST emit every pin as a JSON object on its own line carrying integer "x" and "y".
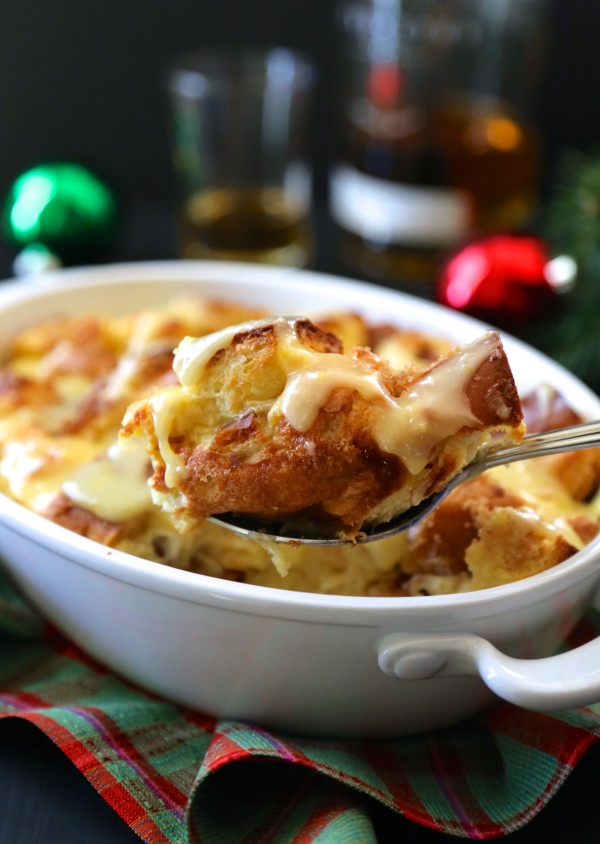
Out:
{"x": 114, "y": 486}
{"x": 164, "y": 409}
{"x": 409, "y": 426}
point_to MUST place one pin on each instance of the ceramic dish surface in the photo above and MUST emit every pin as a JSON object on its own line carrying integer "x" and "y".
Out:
{"x": 298, "y": 662}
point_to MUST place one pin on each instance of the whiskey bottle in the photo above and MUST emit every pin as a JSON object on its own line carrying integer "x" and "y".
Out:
{"x": 437, "y": 145}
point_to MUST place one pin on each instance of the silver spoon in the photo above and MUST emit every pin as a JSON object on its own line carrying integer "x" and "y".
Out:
{"x": 586, "y": 435}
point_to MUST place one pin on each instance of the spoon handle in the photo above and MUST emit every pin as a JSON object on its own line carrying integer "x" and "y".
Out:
{"x": 586, "y": 435}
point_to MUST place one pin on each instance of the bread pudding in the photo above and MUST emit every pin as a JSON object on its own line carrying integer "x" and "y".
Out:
{"x": 80, "y": 398}
{"x": 273, "y": 419}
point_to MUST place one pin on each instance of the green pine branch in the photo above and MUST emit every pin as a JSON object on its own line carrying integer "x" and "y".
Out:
{"x": 572, "y": 227}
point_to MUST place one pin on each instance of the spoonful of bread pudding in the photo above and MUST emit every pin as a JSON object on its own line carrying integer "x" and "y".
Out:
{"x": 274, "y": 431}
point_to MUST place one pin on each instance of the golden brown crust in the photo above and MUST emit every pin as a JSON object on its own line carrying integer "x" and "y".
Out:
{"x": 579, "y": 472}
{"x": 585, "y": 527}
{"x": 512, "y": 545}
{"x": 72, "y": 345}
{"x": 64, "y": 512}
{"x": 438, "y": 545}
{"x": 407, "y": 348}
{"x": 339, "y": 480}
{"x": 492, "y": 392}
{"x": 545, "y": 409}
{"x": 350, "y": 328}
{"x": 20, "y": 391}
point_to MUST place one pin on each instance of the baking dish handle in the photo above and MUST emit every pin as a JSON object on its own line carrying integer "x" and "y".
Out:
{"x": 557, "y": 682}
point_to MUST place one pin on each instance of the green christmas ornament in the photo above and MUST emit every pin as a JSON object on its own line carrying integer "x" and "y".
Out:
{"x": 64, "y": 208}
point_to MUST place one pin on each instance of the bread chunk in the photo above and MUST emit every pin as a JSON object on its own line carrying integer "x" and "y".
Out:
{"x": 273, "y": 419}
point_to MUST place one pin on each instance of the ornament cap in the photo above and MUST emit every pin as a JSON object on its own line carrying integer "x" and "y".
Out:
{"x": 561, "y": 273}
{"x": 35, "y": 259}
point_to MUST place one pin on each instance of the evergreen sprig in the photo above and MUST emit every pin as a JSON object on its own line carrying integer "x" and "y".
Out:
{"x": 572, "y": 227}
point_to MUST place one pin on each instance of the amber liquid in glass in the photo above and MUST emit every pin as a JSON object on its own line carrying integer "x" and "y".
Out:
{"x": 476, "y": 148}
{"x": 261, "y": 225}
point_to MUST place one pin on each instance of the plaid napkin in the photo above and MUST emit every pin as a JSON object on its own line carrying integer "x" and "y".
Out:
{"x": 178, "y": 776}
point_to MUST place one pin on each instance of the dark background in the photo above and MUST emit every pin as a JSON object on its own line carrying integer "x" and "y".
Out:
{"x": 83, "y": 80}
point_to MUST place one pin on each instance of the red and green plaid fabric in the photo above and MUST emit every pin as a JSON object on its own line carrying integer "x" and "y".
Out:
{"x": 177, "y": 776}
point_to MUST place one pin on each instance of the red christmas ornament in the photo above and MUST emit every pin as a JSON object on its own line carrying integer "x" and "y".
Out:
{"x": 503, "y": 279}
